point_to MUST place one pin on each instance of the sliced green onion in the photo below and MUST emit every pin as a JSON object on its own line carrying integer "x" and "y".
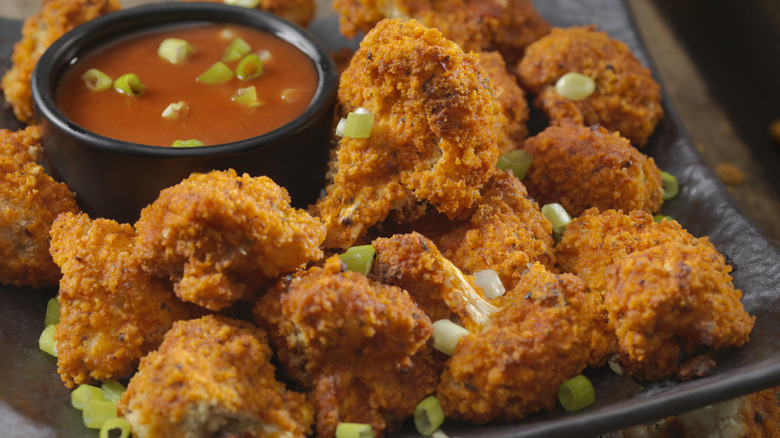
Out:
{"x": 359, "y": 258}
{"x": 575, "y": 86}
{"x": 518, "y": 160}
{"x": 52, "y": 312}
{"x": 96, "y": 80}
{"x": 264, "y": 55}
{"x": 671, "y": 186}
{"x": 438, "y": 433}
{"x": 292, "y": 95}
{"x": 358, "y": 124}
{"x": 247, "y": 97}
{"x": 84, "y": 394}
{"x": 237, "y": 49}
{"x": 249, "y": 4}
{"x": 177, "y": 110}
{"x": 354, "y": 430}
{"x": 175, "y": 50}
{"x": 249, "y": 68}
{"x": 428, "y": 415}
{"x": 129, "y": 84}
{"x": 662, "y": 217}
{"x": 97, "y": 412}
{"x": 558, "y": 216}
{"x": 112, "y": 390}
{"x": 186, "y": 143}
{"x": 490, "y": 282}
{"x": 218, "y": 73}
{"x": 115, "y": 428}
{"x": 446, "y": 335}
{"x": 576, "y": 393}
{"x": 46, "y": 342}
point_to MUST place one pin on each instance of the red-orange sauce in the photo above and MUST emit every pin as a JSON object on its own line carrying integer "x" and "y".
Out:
{"x": 213, "y": 117}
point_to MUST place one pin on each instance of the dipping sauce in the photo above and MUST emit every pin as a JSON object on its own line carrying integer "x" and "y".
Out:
{"x": 213, "y": 114}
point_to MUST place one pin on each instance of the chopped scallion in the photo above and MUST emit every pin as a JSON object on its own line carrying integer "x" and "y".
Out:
{"x": 249, "y": 68}
{"x": 264, "y": 55}
{"x": 175, "y": 50}
{"x": 115, "y": 428}
{"x": 358, "y": 125}
{"x": 247, "y": 97}
{"x": 354, "y": 430}
{"x": 129, "y": 84}
{"x": 576, "y": 393}
{"x": 490, "y": 282}
{"x": 186, "y": 143}
{"x": 52, "y": 312}
{"x": 518, "y": 160}
{"x": 428, "y": 415}
{"x": 84, "y": 394}
{"x": 97, "y": 412}
{"x": 558, "y": 216}
{"x": 292, "y": 95}
{"x": 112, "y": 390}
{"x": 662, "y": 217}
{"x": 237, "y": 49}
{"x": 359, "y": 258}
{"x": 575, "y": 86}
{"x": 46, "y": 342}
{"x": 249, "y": 4}
{"x": 177, "y": 110}
{"x": 446, "y": 335}
{"x": 218, "y": 73}
{"x": 671, "y": 186}
{"x": 96, "y": 80}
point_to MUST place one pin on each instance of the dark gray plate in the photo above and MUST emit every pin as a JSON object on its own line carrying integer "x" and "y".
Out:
{"x": 34, "y": 403}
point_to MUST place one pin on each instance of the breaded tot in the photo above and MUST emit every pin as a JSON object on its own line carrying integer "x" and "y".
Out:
{"x": 513, "y": 116}
{"x": 580, "y": 167}
{"x": 507, "y": 26}
{"x": 219, "y": 236}
{"x": 30, "y": 201}
{"x": 112, "y": 313}
{"x": 433, "y": 136}
{"x": 515, "y": 367}
{"x": 359, "y": 345}
{"x": 626, "y": 100}
{"x": 40, "y": 30}
{"x": 300, "y": 12}
{"x": 672, "y": 306}
{"x": 212, "y": 377}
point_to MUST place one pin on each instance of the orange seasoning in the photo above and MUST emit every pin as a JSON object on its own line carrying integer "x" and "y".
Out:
{"x": 213, "y": 114}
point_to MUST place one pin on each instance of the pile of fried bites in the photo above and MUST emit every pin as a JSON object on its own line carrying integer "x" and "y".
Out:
{"x": 228, "y": 312}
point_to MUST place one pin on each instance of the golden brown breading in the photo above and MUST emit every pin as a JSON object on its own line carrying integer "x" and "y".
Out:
{"x": 359, "y": 345}
{"x": 512, "y": 118}
{"x": 627, "y": 99}
{"x": 432, "y": 139}
{"x": 213, "y": 376}
{"x": 300, "y": 12}
{"x": 580, "y": 167}
{"x": 39, "y": 31}
{"x": 505, "y": 232}
{"x": 30, "y": 201}
{"x": 111, "y": 312}
{"x": 507, "y": 26}
{"x": 220, "y": 236}
{"x": 515, "y": 367}
{"x": 671, "y": 306}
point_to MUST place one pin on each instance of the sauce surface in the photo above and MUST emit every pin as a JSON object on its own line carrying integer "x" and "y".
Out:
{"x": 213, "y": 118}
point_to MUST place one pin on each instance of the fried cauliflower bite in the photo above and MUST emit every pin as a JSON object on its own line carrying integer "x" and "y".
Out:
{"x": 30, "y": 201}
{"x": 626, "y": 100}
{"x": 211, "y": 377}
{"x": 218, "y": 236}
{"x": 476, "y": 25}
{"x": 672, "y": 306}
{"x": 40, "y": 30}
{"x": 580, "y": 167}
{"x": 512, "y": 119}
{"x": 433, "y": 136}
{"x": 300, "y": 12}
{"x": 515, "y": 367}
{"x": 111, "y": 312}
{"x": 360, "y": 346}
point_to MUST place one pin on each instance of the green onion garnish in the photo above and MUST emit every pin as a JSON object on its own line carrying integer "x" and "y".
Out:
{"x": 46, "y": 342}
{"x": 428, "y": 415}
{"x": 175, "y": 50}
{"x": 52, "y": 312}
{"x": 249, "y": 4}
{"x": 662, "y": 217}
{"x": 84, "y": 394}
{"x": 129, "y": 84}
{"x": 671, "y": 186}
{"x": 177, "y": 110}
{"x": 576, "y": 393}
{"x": 186, "y": 143}
{"x": 518, "y": 160}
{"x": 446, "y": 335}
{"x": 218, "y": 73}
{"x": 250, "y": 67}
{"x": 359, "y": 258}
{"x": 115, "y": 428}
{"x": 356, "y": 125}
{"x": 96, "y": 80}
{"x": 237, "y": 49}
{"x": 246, "y": 96}
{"x": 291, "y": 95}
{"x": 575, "y": 86}
{"x": 558, "y": 216}
{"x": 112, "y": 390}
{"x": 354, "y": 430}
{"x": 97, "y": 412}
{"x": 490, "y": 282}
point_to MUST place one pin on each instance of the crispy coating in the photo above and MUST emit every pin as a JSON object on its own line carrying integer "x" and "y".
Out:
{"x": 30, "y": 201}
{"x": 627, "y": 99}
{"x": 505, "y": 232}
{"x": 671, "y": 306}
{"x": 40, "y": 30}
{"x": 111, "y": 312}
{"x": 213, "y": 376}
{"x": 432, "y": 139}
{"x": 476, "y": 25}
{"x": 359, "y": 345}
{"x": 300, "y": 12}
{"x": 580, "y": 167}
{"x": 515, "y": 367}
{"x": 511, "y": 120}
{"x": 219, "y": 236}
